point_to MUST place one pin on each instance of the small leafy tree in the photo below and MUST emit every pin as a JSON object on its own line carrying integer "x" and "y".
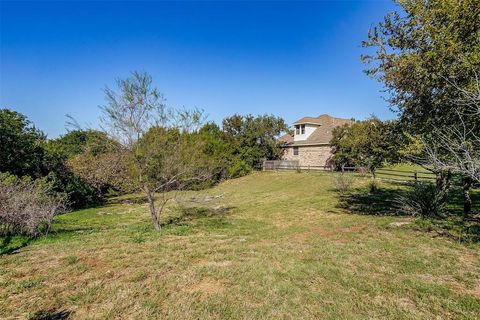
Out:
{"x": 161, "y": 145}
{"x": 369, "y": 143}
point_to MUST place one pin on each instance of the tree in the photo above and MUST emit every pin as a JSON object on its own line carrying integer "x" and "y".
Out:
{"x": 27, "y": 206}
{"x": 162, "y": 146}
{"x": 456, "y": 147}
{"x": 75, "y": 142}
{"x": 218, "y": 146}
{"x": 422, "y": 56}
{"x": 106, "y": 171}
{"x": 254, "y": 139}
{"x": 417, "y": 54}
{"x": 369, "y": 143}
{"x": 21, "y": 151}
{"x": 83, "y": 164}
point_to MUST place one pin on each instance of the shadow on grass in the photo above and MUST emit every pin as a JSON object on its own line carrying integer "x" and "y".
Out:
{"x": 11, "y": 244}
{"x": 51, "y": 315}
{"x": 192, "y": 213}
{"x": 455, "y": 199}
{"x": 127, "y": 199}
{"x": 379, "y": 203}
{"x": 453, "y": 225}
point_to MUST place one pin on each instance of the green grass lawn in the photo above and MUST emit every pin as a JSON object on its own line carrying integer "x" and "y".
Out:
{"x": 272, "y": 245}
{"x": 405, "y": 172}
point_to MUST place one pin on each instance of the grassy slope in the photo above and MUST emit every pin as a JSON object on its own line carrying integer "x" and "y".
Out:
{"x": 275, "y": 246}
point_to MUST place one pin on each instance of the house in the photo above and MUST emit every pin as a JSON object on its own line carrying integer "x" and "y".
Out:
{"x": 310, "y": 142}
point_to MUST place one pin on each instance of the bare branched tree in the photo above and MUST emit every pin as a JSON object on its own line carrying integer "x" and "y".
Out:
{"x": 469, "y": 98}
{"x": 27, "y": 207}
{"x": 456, "y": 148}
{"x": 164, "y": 151}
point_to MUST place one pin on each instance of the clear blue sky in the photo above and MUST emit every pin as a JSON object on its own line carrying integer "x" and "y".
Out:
{"x": 290, "y": 59}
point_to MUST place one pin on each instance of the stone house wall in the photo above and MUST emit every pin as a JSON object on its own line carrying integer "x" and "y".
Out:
{"x": 310, "y": 155}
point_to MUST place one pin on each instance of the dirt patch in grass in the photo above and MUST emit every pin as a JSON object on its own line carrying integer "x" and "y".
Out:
{"x": 206, "y": 287}
{"x": 210, "y": 263}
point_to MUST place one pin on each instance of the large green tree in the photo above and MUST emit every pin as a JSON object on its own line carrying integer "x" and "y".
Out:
{"x": 254, "y": 139}
{"x": 422, "y": 53}
{"x": 21, "y": 151}
{"x": 217, "y": 145}
{"x": 427, "y": 55}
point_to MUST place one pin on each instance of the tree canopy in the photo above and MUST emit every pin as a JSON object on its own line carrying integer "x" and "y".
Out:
{"x": 255, "y": 138}
{"x": 422, "y": 54}
{"x": 368, "y": 143}
{"x": 21, "y": 152}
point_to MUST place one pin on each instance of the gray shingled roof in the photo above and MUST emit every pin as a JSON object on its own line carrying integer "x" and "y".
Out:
{"x": 321, "y": 135}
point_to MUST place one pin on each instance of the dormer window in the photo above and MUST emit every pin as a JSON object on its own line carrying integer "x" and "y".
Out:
{"x": 300, "y": 129}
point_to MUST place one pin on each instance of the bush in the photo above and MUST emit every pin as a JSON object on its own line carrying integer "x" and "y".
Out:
{"x": 343, "y": 182}
{"x": 237, "y": 168}
{"x": 27, "y": 206}
{"x": 372, "y": 186}
{"x": 422, "y": 200}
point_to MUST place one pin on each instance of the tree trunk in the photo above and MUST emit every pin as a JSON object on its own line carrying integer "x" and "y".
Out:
{"x": 443, "y": 183}
{"x": 153, "y": 210}
{"x": 467, "y": 201}
{"x": 373, "y": 184}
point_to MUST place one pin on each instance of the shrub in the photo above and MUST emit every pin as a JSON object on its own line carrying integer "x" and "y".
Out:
{"x": 27, "y": 206}
{"x": 343, "y": 182}
{"x": 372, "y": 186}
{"x": 237, "y": 168}
{"x": 422, "y": 200}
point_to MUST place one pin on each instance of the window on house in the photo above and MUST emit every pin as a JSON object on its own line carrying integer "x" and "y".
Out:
{"x": 302, "y": 127}
{"x": 295, "y": 151}
{"x": 297, "y": 129}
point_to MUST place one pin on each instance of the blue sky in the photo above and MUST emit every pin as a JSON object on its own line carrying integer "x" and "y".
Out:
{"x": 291, "y": 59}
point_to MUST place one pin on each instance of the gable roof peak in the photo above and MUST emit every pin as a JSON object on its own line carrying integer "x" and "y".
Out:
{"x": 322, "y": 134}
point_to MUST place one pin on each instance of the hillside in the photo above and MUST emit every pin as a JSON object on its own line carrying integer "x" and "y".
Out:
{"x": 269, "y": 245}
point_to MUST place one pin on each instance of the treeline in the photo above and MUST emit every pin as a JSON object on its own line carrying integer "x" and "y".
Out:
{"x": 42, "y": 177}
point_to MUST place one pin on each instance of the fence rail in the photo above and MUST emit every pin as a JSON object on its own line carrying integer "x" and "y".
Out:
{"x": 404, "y": 175}
{"x": 382, "y": 173}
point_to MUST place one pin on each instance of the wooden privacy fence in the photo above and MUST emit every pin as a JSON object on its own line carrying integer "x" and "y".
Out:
{"x": 289, "y": 165}
{"x": 280, "y": 164}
